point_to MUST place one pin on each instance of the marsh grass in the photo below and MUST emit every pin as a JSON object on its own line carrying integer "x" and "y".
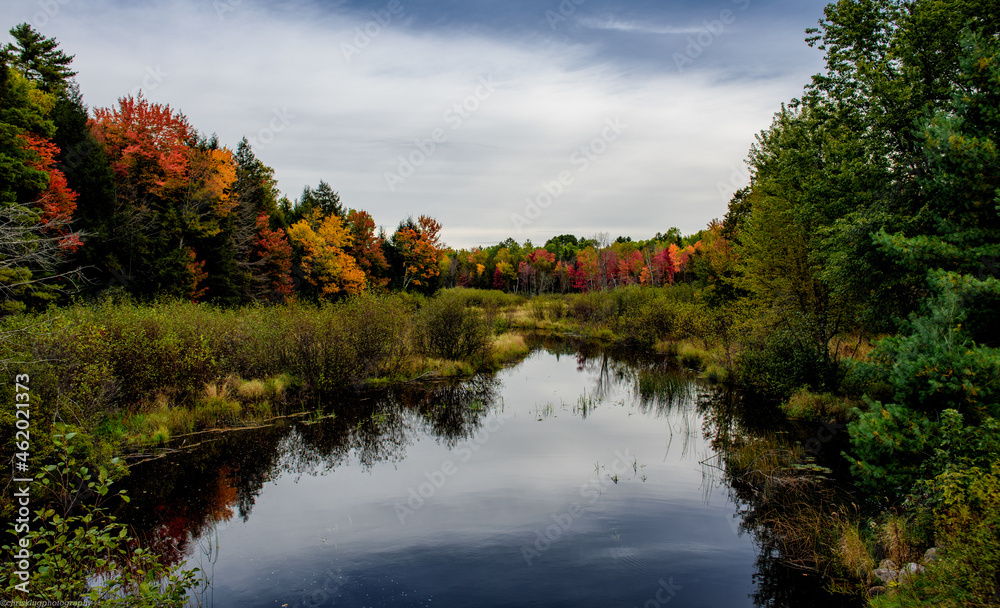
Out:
{"x": 796, "y": 511}
{"x": 806, "y": 405}
{"x": 508, "y": 348}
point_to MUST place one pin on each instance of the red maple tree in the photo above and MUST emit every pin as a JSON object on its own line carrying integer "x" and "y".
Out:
{"x": 57, "y": 202}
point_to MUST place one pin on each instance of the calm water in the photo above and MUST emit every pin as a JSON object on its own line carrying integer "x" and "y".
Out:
{"x": 566, "y": 481}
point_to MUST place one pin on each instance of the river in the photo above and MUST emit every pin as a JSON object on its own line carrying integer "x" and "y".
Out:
{"x": 575, "y": 478}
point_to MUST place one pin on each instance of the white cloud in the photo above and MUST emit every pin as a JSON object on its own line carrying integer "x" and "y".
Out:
{"x": 641, "y": 28}
{"x": 350, "y": 121}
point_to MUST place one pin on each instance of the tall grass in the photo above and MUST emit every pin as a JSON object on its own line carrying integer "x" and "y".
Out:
{"x": 165, "y": 368}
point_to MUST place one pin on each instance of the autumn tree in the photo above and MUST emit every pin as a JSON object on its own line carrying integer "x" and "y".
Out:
{"x": 418, "y": 250}
{"x": 271, "y": 259}
{"x": 325, "y": 262}
{"x": 367, "y": 248}
{"x": 36, "y": 203}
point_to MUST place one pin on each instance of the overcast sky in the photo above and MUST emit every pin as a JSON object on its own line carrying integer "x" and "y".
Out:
{"x": 522, "y": 118}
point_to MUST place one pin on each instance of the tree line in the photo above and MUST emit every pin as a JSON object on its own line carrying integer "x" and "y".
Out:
{"x": 133, "y": 197}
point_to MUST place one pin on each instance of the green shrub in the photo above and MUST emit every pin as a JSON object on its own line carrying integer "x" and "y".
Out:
{"x": 643, "y": 315}
{"x": 89, "y": 556}
{"x": 594, "y": 307}
{"x": 967, "y": 520}
{"x": 450, "y": 330}
{"x": 377, "y": 332}
{"x": 780, "y": 360}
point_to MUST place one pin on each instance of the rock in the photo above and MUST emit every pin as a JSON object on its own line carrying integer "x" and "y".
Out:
{"x": 931, "y": 555}
{"x": 877, "y": 591}
{"x": 888, "y": 564}
{"x": 885, "y": 575}
{"x": 909, "y": 570}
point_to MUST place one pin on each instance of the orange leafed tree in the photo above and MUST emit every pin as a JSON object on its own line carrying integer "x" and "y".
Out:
{"x": 366, "y": 247}
{"x": 325, "y": 263}
{"x": 198, "y": 274}
{"x": 212, "y": 174}
{"x": 146, "y": 144}
{"x": 57, "y": 202}
{"x": 421, "y": 250}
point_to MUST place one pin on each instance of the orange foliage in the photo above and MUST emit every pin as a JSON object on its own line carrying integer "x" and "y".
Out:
{"x": 212, "y": 174}
{"x": 325, "y": 263}
{"x": 58, "y": 202}
{"x": 366, "y": 247}
{"x": 145, "y": 142}
{"x": 198, "y": 275}
{"x": 275, "y": 255}
{"x": 421, "y": 250}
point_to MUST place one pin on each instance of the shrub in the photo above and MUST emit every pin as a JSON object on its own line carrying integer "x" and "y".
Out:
{"x": 89, "y": 556}
{"x": 450, "y": 330}
{"x": 644, "y": 316}
{"x": 594, "y": 307}
{"x": 377, "y": 333}
{"x": 780, "y": 360}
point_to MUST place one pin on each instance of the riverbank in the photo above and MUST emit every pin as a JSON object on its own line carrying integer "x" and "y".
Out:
{"x": 129, "y": 376}
{"x": 132, "y": 374}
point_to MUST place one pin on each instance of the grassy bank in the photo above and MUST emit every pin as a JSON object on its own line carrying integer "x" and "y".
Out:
{"x": 132, "y": 374}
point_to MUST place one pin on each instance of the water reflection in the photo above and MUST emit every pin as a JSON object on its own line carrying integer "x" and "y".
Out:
{"x": 598, "y": 462}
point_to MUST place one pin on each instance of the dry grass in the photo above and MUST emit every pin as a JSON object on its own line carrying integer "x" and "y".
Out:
{"x": 220, "y": 389}
{"x": 799, "y": 513}
{"x": 251, "y": 390}
{"x": 895, "y": 536}
{"x": 509, "y": 347}
{"x": 806, "y": 405}
{"x": 853, "y": 553}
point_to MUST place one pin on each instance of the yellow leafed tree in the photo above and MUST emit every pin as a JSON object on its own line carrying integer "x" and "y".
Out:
{"x": 325, "y": 264}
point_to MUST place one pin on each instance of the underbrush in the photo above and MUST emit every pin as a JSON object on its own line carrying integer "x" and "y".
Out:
{"x": 139, "y": 373}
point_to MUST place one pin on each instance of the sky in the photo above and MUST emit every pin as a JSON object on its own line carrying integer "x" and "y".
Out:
{"x": 500, "y": 118}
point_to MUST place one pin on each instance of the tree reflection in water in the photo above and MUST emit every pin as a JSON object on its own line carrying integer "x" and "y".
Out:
{"x": 197, "y": 489}
{"x": 782, "y": 579}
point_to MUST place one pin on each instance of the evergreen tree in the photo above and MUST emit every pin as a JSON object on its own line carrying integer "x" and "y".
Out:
{"x": 39, "y": 58}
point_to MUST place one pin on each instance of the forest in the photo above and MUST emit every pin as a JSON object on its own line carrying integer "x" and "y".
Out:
{"x": 156, "y": 282}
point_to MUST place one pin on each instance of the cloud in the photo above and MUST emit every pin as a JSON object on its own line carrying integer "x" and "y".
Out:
{"x": 286, "y": 76}
{"x": 641, "y": 28}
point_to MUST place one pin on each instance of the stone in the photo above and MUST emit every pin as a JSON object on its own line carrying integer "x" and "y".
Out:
{"x": 888, "y": 564}
{"x": 877, "y": 591}
{"x": 909, "y": 570}
{"x": 885, "y": 575}
{"x": 931, "y": 555}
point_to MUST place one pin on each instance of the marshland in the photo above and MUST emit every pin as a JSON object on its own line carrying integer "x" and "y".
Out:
{"x": 216, "y": 395}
